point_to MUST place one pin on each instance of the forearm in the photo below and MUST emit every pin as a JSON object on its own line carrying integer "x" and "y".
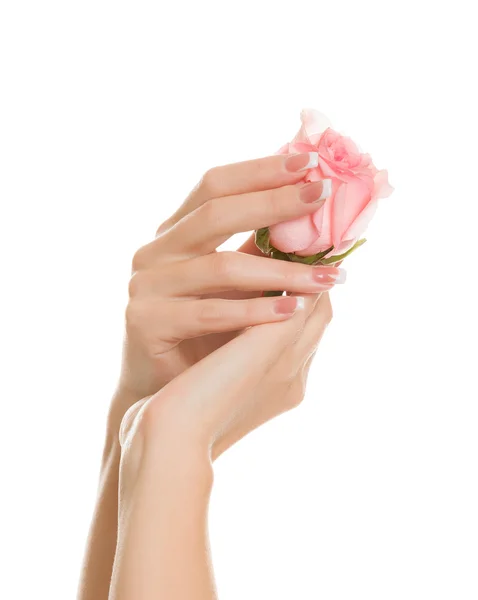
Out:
{"x": 101, "y": 545}
{"x": 163, "y": 549}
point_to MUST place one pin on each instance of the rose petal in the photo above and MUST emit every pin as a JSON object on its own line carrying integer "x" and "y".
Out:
{"x": 301, "y": 147}
{"x": 322, "y": 221}
{"x": 293, "y": 235}
{"x": 382, "y": 188}
{"x": 313, "y": 125}
{"x": 326, "y": 169}
{"x": 350, "y": 200}
{"x": 362, "y": 221}
{"x": 284, "y": 149}
{"x": 343, "y": 247}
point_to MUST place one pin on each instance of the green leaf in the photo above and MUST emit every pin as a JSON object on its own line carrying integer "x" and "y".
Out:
{"x": 310, "y": 260}
{"x": 334, "y": 259}
{"x": 262, "y": 239}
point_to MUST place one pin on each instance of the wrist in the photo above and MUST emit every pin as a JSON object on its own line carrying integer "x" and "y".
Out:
{"x": 158, "y": 445}
{"x": 121, "y": 401}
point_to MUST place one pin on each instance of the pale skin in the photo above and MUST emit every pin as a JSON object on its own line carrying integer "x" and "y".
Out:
{"x": 206, "y": 360}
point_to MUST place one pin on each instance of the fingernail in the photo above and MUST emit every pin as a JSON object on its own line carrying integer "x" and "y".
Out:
{"x": 301, "y": 162}
{"x": 316, "y": 192}
{"x": 340, "y": 277}
{"x": 288, "y": 305}
{"x": 327, "y": 277}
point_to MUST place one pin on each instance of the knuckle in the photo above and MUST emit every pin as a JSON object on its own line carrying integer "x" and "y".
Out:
{"x": 210, "y": 183}
{"x": 135, "y": 284}
{"x": 224, "y": 265}
{"x": 249, "y": 311}
{"x": 140, "y": 259}
{"x": 133, "y": 316}
{"x": 295, "y": 395}
{"x": 211, "y": 214}
{"x": 208, "y": 211}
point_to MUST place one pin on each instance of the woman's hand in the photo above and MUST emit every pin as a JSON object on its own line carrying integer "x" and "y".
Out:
{"x": 251, "y": 379}
{"x": 168, "y": 441}
{"x": 186, "y": 299}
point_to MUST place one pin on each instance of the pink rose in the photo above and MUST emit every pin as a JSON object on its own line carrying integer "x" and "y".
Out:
{"x": 356, "y": 187}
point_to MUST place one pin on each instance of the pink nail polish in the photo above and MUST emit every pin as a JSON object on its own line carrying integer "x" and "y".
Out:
{"x": 301, "y": 162}
{"x": 288, "y": 305}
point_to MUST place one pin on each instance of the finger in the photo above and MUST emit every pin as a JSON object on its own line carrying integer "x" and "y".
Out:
{"x": 314, "y": 329}
{"x": 227, "y": 271}
{"x": 170, "y": 322}
{"x": 248, "y": 176}
{"x": 223, "y": 384}
{"x": 210, "y": 225}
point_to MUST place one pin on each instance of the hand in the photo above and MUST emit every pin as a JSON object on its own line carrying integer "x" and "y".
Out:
{"x": 168, "y": 441}
{"x": 186, "y": 299}
{"x": 248, "y": 381}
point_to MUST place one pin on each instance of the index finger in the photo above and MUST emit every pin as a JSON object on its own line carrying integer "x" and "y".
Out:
{"x": 249, "y": 176}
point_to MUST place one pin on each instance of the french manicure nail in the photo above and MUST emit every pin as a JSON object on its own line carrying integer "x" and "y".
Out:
{"x": 339, "y": 277}
{"x": 288, "y": 305}
{"x": 316, "y": 191}
{"x": 327, "y": 278}
{"x": 301, "y": 162}
{"x": 326, "y": 189}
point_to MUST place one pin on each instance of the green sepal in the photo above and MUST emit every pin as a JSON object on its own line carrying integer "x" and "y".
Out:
{"x": 310, "y": 260}
{"x": 278, "y": 255}
{"x": 271, "y": 294}
{"x": 335, "y": 259}
{"x": 262, "y": 240}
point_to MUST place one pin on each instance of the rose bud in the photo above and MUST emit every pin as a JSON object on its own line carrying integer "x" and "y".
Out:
{"x": 353, "y": 186}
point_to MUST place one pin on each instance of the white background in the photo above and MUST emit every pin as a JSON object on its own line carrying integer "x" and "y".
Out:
{"x": 109, "y": 114}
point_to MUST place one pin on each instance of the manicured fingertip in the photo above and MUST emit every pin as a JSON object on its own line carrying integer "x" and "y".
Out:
{"x": 316, "y": 192}
{"x": 340, "y": 276}
{"x": 288, "y": 305}
{"x": 326, "y": 189}
{"x": 301, "y": 162}
{"x": 328, "y": 276}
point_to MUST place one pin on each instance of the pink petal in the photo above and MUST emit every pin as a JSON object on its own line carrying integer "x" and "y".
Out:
{"x": 292, "y": 236}
{"x": 362, "y": 221}
{"x": 314, "y": 175}
{"x": 284, "y": 149}
{"x": 314, "y": 124}
{"x": 350, "y": 200}
{"x": 301, "y": 147}
{"x": 326, "y": 169}
{"x": 323, "y": 239}
{"x": 350, "y": 146}
{"x": 343, "y": 247}
{"x": 382, "y": 189}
